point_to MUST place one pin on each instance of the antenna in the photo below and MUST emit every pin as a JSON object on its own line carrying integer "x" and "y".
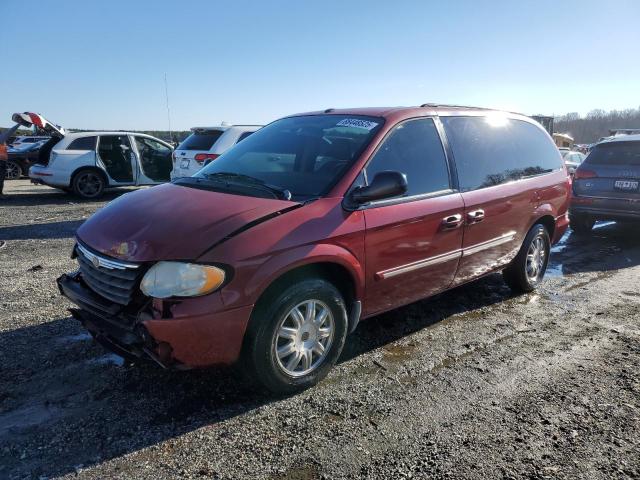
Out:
{"x": 166, "y": 94}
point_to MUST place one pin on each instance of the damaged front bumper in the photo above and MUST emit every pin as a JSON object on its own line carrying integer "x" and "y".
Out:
{"x": 186, "y": 335}
{"x": 110, "y": 325}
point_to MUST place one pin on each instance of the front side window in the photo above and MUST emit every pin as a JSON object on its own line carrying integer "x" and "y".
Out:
{"x": 304, "y": 156}
{"x": 493, "y": 150}
{"x": 413, "y": 148}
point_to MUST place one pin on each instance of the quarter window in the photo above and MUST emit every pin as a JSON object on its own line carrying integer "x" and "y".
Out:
{"x": 83, "y": 143}
{"x": 413, "y": 148}
{"x": 491, "y": 151}
{"x": 243, "y": 136}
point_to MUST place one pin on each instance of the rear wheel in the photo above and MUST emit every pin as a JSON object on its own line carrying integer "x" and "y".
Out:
{"x": 526, "y": 271}
{"x": 88, "y": 184}
{"x": 581, "y": 224}
{"x": 296, "y": 336}
{"x": 14, "y": 171}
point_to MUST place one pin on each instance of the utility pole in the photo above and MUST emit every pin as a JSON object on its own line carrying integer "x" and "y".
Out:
{"x": 166, "y": 94}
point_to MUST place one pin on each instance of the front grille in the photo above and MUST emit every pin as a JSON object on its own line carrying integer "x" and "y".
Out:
{"x": 109, "y": 278}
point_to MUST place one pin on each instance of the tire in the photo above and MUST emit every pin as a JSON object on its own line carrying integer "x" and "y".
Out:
{"x": 88, "y": 183}
{"x": 285, "y": 373}
{"x": 14, "y": 171}
{"x": 581, "y": 224}
{"x": 526, "y": 271}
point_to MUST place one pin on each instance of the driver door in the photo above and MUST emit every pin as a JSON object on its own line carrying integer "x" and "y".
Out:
{"x": 155, "y": 161}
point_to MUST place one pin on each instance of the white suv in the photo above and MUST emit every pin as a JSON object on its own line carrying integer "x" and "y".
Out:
{"x": 88, "y": 162}
{"x": 206, "y": 144}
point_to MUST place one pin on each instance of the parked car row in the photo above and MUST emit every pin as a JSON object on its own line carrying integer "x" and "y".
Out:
{"x": 271, "y": 244}
{"x": 86, "y": 163}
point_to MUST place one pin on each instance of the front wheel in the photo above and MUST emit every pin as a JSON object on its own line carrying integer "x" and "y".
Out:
{"x": 296, "y": 336}
{"x": 88, "y": 184}
{"x": 526, "y": 271}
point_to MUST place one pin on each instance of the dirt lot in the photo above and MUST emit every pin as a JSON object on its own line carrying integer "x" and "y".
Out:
{"x": 475, "y": 383}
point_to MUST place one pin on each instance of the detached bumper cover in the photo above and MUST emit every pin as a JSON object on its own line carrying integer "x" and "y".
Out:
{"x": 194, "y": 341}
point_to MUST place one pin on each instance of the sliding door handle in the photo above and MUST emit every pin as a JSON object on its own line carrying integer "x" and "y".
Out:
{"x": 452, "y": 221}
{"x": 475, "y": 216}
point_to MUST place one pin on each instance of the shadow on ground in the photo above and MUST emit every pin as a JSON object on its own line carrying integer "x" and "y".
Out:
{"x": 63, "y": 229}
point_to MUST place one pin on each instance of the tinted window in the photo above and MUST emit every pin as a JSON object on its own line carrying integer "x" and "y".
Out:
{"x": 615, "y": 153}
{"x": 244, "y": 135}
{"x": 83, "y": 143}
{"x": 200, "y": 140}
{"x": 413, "y": 148}
{"x": 494, "y": 150}
{"x": 305, "y": 155}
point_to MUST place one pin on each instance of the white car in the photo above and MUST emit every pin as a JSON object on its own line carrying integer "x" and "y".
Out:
{"x": 206, "y": 144}
{"x": 88, "y": 162}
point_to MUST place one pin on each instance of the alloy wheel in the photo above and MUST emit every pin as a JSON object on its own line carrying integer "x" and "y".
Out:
{"x": 303, "y": 338}
{"x": 89, "y": 184}
{"x": 13, "y": 171}
{"x": 536, "y": 258}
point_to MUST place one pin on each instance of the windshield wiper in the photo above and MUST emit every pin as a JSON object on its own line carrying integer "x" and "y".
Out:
{"x": 249, "y": 180}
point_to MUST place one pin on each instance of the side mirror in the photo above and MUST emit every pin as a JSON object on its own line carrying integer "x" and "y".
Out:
{"x": 385, "y": 184}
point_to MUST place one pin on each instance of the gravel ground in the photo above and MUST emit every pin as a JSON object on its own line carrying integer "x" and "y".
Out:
{"x": 474, "y": 383}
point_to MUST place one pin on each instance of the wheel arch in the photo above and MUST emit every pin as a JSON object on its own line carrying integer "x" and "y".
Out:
{"x": 332, "y": 264}
{"x": 88, "y": 167}
{"x": 549, "y": 223}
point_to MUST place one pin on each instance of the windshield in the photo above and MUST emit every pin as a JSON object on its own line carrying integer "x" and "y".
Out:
{"x": 615, "y": 153}
{"x": 301, "y": 156}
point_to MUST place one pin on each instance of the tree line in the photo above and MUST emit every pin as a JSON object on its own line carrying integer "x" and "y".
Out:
{"x": 596, "y": 124}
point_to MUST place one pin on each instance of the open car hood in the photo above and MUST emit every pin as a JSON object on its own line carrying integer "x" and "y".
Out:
{"x": 28, "y": 120}
{"x": 171, "y": 222}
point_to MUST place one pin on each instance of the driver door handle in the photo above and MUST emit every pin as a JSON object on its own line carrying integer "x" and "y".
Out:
{"x": 452, "y": 221}
{"x": 475, "y": 216}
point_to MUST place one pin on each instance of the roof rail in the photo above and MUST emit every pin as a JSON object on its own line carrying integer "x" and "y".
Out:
{"x": 433, "y": 105}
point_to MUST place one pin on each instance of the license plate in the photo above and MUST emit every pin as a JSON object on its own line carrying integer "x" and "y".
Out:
{"x": 184, "y": 164}
{"x": 626, "y": 184}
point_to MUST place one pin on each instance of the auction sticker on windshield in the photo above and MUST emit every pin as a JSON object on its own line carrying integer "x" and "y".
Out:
{"x": 357, "y": 123}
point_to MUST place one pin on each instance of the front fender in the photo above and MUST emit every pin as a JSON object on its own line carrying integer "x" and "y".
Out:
{"x": 284, "y": 262}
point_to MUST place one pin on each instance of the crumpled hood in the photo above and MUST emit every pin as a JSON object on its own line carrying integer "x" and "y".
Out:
{"x": 170, "y": 222}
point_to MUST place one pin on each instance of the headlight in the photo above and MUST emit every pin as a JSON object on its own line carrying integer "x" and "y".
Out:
{"x": 176, "y": 279}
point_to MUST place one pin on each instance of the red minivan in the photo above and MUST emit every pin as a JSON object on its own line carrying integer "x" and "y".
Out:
{"x": 275, "y": 251}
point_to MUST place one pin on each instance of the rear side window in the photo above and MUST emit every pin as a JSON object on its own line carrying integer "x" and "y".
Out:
{"x": 83, "y": 143}
{"x": 200, "y": 140}
{"x": 491, "y": 151}
{"x": 243, "y": 136}
{"x": 615, "y": 153}
{"x": 413, "y": 148}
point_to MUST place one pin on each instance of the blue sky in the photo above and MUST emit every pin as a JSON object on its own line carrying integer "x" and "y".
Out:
{"x": 101, "y": 64}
